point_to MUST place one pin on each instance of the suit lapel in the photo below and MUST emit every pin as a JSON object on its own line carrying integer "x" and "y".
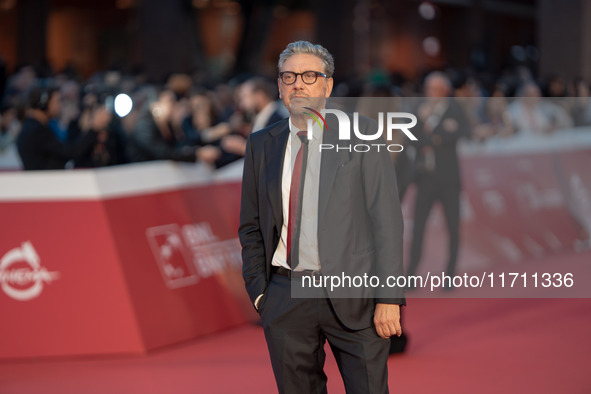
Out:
{"x": 275, "y": 152}
{"x": 330, "y": 163}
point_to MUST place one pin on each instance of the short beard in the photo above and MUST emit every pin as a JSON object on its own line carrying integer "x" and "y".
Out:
{"x": 298, "y": 105}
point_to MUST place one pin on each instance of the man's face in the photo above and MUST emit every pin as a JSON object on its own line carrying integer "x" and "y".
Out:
{"x": 54, "y": 105}
{"x": 436, "y": 87}
{"x": 246, "y": 98}
{"x": 532, "y": 95}
{"x": 298, "y": 94}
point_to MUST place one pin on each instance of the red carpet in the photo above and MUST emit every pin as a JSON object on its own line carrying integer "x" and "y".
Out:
{"x": 456, "y": 346}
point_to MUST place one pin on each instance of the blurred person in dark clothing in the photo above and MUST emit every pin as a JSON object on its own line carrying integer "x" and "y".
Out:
{"x": 70, "y": 110}
{"x": 494, "y": 121}
{"x": 368, "y": 105}
{"x": 555, "y": 90}
{"x": 141, "y": 97}
{"x": 556, "y": 87}
{"x": 441, "y": 123}
{"x": 531, "y": 114}
{"x": 200, "y": 126}
{"x": 180, "y": 84}
{"x": 581, "y": 102}
{"x": 224, "y": 101}
{"x": 37, "y": 144}
{"x": 111, "y": 141}
{"x": 468, "y": 94}
{"x": 159, "y": 136}
{"x": 203, "y": 128}
{"x": 3, "y": 76}
{"x": 18, "y": 84}
{"x": 9, "y": 126}
{"x": 256, "y": 99}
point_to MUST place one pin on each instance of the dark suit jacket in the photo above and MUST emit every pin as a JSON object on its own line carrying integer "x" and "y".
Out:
{"x": 147, "y": 143}
{"x": 275, "y": 117}
{"x": 359, "y": 225}
{"x": 227, "y": 158}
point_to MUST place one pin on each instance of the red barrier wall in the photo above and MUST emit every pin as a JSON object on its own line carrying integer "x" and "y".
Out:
{"x": 128, "y": 259}
{"x": 117, "y": 272}
{"x": 81, "y": 302}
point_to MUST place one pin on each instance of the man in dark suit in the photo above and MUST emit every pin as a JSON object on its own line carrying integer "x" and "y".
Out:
{"x": 344, "y": 220}
{"x": 257, "y": 99}
{"x": 441, "y": 123}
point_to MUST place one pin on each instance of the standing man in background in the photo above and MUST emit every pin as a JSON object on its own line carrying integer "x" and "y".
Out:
{"x": 310, "y": 213}
{"x": 441, "y": 124}
{"x": 256, "y": 98}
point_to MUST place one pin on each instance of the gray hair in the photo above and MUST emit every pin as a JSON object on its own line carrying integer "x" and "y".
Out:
{"x": 305, "y": 47}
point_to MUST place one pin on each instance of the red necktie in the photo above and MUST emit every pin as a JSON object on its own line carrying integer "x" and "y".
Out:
{"x": 295, "y": 200}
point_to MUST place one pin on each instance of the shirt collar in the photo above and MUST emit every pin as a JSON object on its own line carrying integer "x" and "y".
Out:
{"x": 316, "y": 131}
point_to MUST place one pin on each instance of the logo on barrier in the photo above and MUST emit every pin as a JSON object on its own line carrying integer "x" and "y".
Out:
{"x": 210, "y": 254}
{"x": 171, "y": 254}
{"x": 21, "y": 275}
{"x": 185, "y": 254}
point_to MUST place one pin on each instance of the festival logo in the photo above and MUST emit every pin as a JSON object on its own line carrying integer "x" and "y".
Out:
{"x": 192, "y": 252}
{"x": 171, "y": 255}
{"x": 21, "y": 275}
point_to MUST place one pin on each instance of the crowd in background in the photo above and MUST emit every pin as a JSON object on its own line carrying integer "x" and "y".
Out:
{"x": 186, "y": 121}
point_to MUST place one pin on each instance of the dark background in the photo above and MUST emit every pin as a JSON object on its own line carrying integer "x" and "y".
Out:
{"x": 218, "y": 39}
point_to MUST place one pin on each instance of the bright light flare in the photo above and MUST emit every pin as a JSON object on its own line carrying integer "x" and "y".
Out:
{"x": 123, "y": 105}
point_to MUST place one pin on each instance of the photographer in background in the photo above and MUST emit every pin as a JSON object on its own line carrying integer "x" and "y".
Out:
{"x": 111, "y": 140}
{"x": 256, "y": 101}
{"x": 38, "y": 146}
{"x": 158, "y": 134}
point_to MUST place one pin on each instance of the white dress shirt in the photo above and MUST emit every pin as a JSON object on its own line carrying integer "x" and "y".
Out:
{"x": 308, "y": 245}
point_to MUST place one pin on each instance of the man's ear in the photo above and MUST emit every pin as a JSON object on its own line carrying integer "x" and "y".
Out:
{"x": 279, "y": 88}
{"x": 329, "y": 82}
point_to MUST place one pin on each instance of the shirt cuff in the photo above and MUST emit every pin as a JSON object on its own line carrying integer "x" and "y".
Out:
{"x": 257, "y": 301}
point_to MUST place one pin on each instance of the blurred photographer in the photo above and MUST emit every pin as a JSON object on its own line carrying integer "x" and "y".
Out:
{"x": 38, "y": 146}
{"x": 111, "y": 140}
{"x": 158, "y": 134}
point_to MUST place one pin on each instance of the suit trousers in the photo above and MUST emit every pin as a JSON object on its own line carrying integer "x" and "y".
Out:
{"x": 429, "y": 191}
{"x": 296, "y": 330}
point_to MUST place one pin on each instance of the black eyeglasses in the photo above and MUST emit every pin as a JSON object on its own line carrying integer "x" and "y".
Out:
{"x": 308, "y": 77}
